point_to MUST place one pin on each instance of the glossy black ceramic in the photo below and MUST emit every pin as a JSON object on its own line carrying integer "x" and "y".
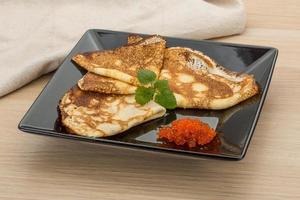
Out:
{"x": 235, "y": 126}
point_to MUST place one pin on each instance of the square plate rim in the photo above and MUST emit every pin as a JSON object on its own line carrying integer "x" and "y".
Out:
{"x": 132, "y": 146}
{"x": 186, "y": 39}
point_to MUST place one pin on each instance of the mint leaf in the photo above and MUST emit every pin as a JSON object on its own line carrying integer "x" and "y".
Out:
{"x": 146, "y": 76}
{"x": 161, "y": 85}
{"x": 159, "y": 89}
{"x": 143, "y": 95}
{"x": 166, "y": 99}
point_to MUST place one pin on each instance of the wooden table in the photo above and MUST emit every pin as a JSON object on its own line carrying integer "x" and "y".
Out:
{"x": 37, "y": 167}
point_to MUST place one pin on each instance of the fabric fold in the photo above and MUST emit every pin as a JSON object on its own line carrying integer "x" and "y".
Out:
{"x": 40, "y": 33}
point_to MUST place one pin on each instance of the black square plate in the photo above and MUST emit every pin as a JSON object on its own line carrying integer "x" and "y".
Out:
{"x": 235, "y": 125}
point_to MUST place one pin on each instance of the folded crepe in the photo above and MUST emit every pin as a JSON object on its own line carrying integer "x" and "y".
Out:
{"x": 199, "y": 82}
{"x": 123, "y": 63}
{"x": 94, "y": 114}
{"x": 102, "y": 84}
{"x": 196, "y": 80}
{"x": 94, "y": 82}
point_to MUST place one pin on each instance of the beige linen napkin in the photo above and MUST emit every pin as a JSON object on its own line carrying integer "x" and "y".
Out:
{"x": 36, "y": 35}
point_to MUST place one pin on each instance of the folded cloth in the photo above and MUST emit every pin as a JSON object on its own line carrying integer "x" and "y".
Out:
{"x": 36, "y": 35}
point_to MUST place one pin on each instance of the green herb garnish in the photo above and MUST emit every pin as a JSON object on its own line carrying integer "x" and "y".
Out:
{"x": 146, "y": 76}
{"x": 143, "y": 95}
{"x": 151, "y": 88}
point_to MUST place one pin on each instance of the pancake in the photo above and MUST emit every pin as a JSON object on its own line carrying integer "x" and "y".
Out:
{"x": 102, "y": 84}
{"x": 199, "y": 82}
{"x": 123, "y": 63}
{"x": 99, "y": 115}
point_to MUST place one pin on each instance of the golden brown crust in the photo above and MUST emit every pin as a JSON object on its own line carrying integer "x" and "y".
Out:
{"x": 102, "y": 84}
{"x": 124, "y": 61}
{"x": 175, "y": 63}
{"x": 79, "y": 97}
{"x": 199, "y": 82}
{"x": 94, "y": 102}
{"x": 99, "y": 115}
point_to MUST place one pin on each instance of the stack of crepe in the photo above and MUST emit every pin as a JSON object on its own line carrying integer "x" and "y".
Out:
{"x": 103, "y": 104}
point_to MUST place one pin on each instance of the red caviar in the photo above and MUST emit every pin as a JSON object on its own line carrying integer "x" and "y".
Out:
{"x": 187, "y": 131}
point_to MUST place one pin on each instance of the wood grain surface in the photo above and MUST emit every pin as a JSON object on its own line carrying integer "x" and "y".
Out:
{"x": 37, "y": 167}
